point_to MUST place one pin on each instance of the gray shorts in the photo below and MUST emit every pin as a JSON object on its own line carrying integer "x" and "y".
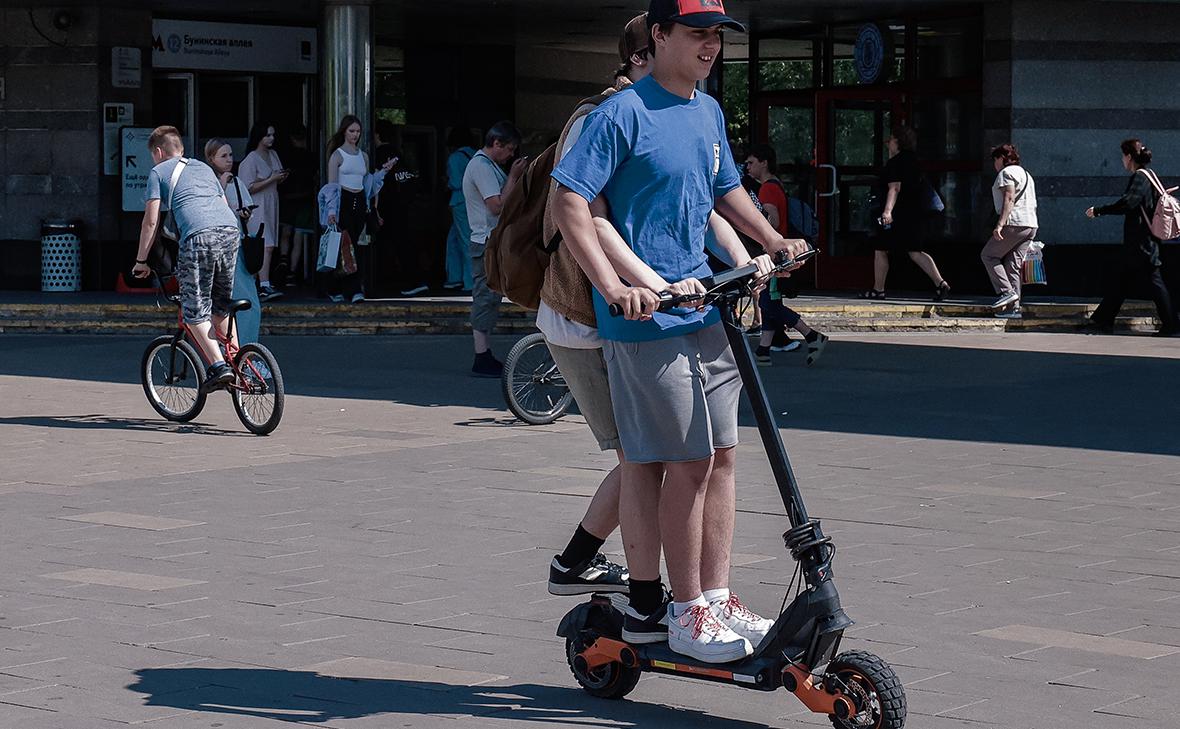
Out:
{"x": 485, "y": 303}
{"x": 205, "y": 271}
{"x": 675, "y": 399}
{"x": 584, "y": 371}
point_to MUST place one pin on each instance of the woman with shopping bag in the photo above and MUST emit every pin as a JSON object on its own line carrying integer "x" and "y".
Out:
{"x": 1014, "y": 194}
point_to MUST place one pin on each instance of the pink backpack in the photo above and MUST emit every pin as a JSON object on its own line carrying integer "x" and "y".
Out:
{"x": 1165, "y": 222}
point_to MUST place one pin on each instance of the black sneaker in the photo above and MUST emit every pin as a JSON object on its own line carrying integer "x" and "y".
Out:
{"x": 597, "y": 575}
{"x": 218, "y": 377}
{"x": 486, "y": 365}
{"x": 647, "y": 629}
{"x": 762, "y": 356}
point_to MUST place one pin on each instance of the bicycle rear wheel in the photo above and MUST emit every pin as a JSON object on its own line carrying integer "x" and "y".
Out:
{"x": 172, "y": 377}
{"x": 534, "y": 389}
{"x": 258, "y": 390}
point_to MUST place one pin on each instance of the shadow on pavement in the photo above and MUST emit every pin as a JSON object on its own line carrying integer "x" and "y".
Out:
{"x": 1099, "y": 401}
{"x": 102, "y": 422}
{"x": 307, "y": 697}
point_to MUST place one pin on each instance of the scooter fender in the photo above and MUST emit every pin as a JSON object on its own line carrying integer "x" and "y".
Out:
{"x": 575, "y": 620}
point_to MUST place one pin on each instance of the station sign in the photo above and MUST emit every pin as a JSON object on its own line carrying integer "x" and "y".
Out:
{"x": 196, "y": 45}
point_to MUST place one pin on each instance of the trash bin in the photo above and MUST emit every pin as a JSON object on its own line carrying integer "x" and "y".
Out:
{"x": 61, "y": 256}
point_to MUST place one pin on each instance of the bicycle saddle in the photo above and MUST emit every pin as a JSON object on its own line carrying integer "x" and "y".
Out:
{"x": 240, "y": 305}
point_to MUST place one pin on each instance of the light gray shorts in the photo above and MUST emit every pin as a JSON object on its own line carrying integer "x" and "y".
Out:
{"x": 584, "y": 371}
{"x": 675, "y": 399}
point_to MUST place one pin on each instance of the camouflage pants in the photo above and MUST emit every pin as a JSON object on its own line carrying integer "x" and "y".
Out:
{"x": 205, "y": 270}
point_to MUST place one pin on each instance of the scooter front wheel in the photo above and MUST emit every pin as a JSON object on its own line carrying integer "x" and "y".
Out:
{"x": 612, "y": 681}
{"x": 873, "y": 686}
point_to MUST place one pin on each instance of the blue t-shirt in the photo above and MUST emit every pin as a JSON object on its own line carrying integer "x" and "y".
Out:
{"x": 660, "y": 160}
{"x": 198, "y": 203}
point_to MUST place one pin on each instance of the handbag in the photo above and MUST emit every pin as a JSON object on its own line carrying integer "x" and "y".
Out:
{"x": 161, "y": 257}
{"x": 1032, "y": 269}
{"x": 329, "y": 251}
{"x": 347, "y": 256}
{"x": 253, "y": 245}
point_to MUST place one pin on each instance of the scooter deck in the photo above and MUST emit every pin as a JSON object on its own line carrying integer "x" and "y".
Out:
{"x": 757, "y": 672}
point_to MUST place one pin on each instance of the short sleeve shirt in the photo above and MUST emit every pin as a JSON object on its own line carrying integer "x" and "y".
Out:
{"x": 1024, "y": 212}
{"x": 198, "y": 203}
{"x": 482, "y": 179}
{"x": 771, "y": 194}
{"x": 660, "y": 160}
{"x": 904, "y": 168}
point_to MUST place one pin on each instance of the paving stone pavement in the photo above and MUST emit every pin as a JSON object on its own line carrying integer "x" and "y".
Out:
{"x": 1006, "y": 507}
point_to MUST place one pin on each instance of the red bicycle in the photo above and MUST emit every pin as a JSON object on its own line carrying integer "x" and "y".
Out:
{"x": 173, "y": 369}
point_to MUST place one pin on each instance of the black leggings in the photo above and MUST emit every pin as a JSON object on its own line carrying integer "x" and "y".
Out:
{"x": 350, "y": 219}
{"x": 1136, "y": 273}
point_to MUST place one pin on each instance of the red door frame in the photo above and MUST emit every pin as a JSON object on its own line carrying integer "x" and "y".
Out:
{"x": 842, "y": 272}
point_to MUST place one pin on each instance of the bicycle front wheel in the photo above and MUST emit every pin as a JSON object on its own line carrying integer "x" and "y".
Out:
{"x": 534, "y": 389}
{"x": 258, "y": 390}
{"x": 172, "y": 377}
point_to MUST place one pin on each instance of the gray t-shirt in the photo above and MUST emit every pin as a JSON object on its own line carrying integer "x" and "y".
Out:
{"x": 482, "y": 179}
{"x": 198, "y": 203}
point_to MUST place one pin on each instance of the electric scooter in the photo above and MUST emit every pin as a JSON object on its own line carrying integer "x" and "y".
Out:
{"x": 856, "y": 689}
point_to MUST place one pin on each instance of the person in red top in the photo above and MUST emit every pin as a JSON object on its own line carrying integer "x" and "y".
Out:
{"x": 760, "y": 164}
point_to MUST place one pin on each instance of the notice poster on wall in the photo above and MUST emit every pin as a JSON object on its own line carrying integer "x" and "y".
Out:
{"x": 115, "y": 116}
{"x": 194, "y": 45}
{"x": 136, "y": 164}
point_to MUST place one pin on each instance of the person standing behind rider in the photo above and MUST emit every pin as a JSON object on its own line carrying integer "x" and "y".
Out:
{"x": 485, "y": 186}
{"x": 220, "y": 156}
{"x": 459, "y": 236}
{"x": 207, "y": 240}
{"x": 262, "y": 172}
{"x": 658, "y": 154}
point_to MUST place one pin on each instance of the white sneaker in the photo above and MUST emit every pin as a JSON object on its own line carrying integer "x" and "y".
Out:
{"x": 358, "y": 297}
{"x": 741, "y": 620}
{"x": 697, "y": 633}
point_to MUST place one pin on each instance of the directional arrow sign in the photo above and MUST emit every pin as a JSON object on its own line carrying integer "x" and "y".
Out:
{"x": 134, "y": 177}
{"x": 130, "y": 161}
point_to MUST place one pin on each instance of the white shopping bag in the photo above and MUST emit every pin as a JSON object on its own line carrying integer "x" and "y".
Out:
{"x": 329, "y": 253}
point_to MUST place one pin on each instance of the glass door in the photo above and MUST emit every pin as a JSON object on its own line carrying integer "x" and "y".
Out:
{"x": 173, "y": 103}
{"x": 851, "y": 128}
{"x": 787, "y": 122}
{"x": 226, "y": 110}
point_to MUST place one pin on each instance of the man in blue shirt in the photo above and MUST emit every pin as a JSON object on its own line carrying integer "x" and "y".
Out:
{"x": 657, "y": 153}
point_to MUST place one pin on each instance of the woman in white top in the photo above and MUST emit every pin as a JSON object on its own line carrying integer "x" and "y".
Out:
{"x": 347, "y": 167}
{"x": 220, "y": 157}
{"x": 1015, "y": 196}
{"x": 262, "y": 172}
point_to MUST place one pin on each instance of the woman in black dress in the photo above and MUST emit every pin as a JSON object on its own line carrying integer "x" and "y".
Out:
{"x": 1139, "y": 259}
{"x": 905, "y": 215}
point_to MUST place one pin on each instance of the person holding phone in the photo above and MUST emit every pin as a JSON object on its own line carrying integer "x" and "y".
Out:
{"x": 220, "y": 156}
{"x": 262, "y": 172}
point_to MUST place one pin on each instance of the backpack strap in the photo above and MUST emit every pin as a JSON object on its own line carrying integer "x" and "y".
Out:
{"x": 180, "y": 165}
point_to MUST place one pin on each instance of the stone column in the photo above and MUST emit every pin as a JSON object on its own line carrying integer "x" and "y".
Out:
{"x": 347, "y": 70}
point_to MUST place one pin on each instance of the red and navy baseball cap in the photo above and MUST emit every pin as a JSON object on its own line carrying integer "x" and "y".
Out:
{"x": 693, "y": 13}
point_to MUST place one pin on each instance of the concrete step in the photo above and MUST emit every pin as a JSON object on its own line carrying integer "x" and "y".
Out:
{"x": 443, "y": 315}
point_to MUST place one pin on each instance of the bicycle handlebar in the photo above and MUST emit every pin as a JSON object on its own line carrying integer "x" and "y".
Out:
{"x": 719, "y": 284}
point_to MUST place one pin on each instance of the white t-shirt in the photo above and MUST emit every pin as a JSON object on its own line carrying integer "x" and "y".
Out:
{"x": 482, "y": 179}
{"x": 1024, "y": 212}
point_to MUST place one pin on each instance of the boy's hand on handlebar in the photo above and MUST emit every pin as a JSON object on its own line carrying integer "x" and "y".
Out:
{"x": 765, "y": 267}
{"x": 637, "y": 302}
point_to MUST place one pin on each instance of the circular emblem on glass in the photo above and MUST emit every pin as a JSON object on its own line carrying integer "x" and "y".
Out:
{"x": 873, "y": 53}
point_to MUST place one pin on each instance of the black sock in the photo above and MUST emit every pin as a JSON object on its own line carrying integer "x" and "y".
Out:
{"x": 582, "y": 548}
{"x": 646, "y": 595}
{"x": 811, "y": 336}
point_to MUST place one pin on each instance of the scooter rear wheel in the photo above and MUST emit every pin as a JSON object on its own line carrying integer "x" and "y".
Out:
{"x": 872, "y": 684}
{"x": 612, "y": 681}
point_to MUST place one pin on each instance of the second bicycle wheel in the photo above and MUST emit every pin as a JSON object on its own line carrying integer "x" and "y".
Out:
{"x": 534, "y": 389}
{"x": 258, "y": 390}
{"x": 171, "y": 378}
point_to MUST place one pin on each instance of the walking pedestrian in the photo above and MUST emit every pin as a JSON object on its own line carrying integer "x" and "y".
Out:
{"x": 485, "y": 185}
{"x": 1139, "y": 259}
{"x": 1014, "y": 194}
{"x": 905, "y": 215}
{"x": 263, "y": 172}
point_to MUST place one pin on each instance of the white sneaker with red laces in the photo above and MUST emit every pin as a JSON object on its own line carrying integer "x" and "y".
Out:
{"x": 734, "y": 615}
{"x": 698, "y": 633}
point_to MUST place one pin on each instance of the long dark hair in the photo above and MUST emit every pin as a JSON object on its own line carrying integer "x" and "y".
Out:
{"x": 337, "y": 140}
{"x": 1139, "y": 154}
{"x": 257, "y": 132}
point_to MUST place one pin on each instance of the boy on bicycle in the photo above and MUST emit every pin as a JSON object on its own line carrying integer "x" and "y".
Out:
{"x": 208, "y": 240}
{"x": 658, "y": 154}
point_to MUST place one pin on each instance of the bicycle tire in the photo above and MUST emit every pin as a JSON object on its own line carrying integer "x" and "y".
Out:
{"x": 182, "y": 399}
{"x": 533, "y": 387}
{"x": 258, "y": 394}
